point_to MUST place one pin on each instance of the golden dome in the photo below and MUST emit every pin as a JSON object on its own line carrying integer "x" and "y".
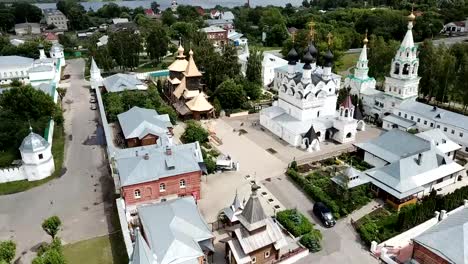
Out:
{"x": 411, "y": 16}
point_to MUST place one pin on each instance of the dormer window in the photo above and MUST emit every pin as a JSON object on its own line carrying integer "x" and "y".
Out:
{"x": 182, "y": 184}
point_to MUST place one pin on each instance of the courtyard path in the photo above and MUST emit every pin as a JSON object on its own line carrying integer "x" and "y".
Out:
{"x": 81, "y": 197}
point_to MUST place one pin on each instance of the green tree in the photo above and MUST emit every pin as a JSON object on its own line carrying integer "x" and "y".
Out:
{"x": 230, "y": 95}
{"x": 52, "y": 225}
{"x": 67, "y": 41}
{"x": 167, "y": 17}
{"x": 381, "y": 54}
{"x": 194, "y": 132}
{"x": 50, "y": 254}
{"x": 253, "y": 73}
{"x": 26, "y": 12}
{"x": 155, "y": 7}
{"x": 124, "y": 47}
{"x": 7, "y": 251}
{"x": 157, "y": 42}
{"x": 312, "y": 240}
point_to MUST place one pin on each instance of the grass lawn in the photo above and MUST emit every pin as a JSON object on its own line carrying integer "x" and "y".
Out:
{"x": 109, "y": 249}
{"x": 58, "y": 153}
{"x": 347, "y": 61}
{"x": 7, "y": 157}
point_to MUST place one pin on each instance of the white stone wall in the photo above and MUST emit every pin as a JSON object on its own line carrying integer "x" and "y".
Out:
{"x": 12, "y": 174}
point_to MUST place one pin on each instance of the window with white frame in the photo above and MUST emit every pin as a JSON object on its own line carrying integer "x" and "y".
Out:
{"x": 267, "y": 254}
{"x": 182, "y": 183}
{"x": 254, "y": 260}
{"x": 137, "y": 193}
{"x": 162, "y": 187}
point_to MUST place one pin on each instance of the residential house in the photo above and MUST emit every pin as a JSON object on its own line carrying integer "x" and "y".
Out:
{"x": 414, "y": 114}
{"x": 184, "y": 90}
{"x": 143, "y": 127}
{"x": 406, "y": 167}
{"x": 150, "y": 174}
{"x": 456, "y": 27}
{"x": 57, "y": 18}
{"x": 27, "y": 29}
{"x": 172, "y": 232}
{"x": 119, "y": 20}
{"x": 215, "y": 14}
{"x": 441, "y": 141}
{"x": 51, "y": 37}
{"x": 216, "y": 35}
{"x": 227, "y": 25}
{"x": 257, "y": 238}
{"x": 237, "y": 39}
{"x": 120, "y": 82}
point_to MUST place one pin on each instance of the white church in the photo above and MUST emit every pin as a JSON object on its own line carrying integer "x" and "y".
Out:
{"x": 30, "y": 71}
{"x": 401, "y": 86}
{"x": 305, "y": 113}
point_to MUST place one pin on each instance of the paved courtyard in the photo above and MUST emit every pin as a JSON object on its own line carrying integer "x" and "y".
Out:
{"x": 340, "y": 244}
{"x": 82, "y": 197}
{"x": 285, "y": 152}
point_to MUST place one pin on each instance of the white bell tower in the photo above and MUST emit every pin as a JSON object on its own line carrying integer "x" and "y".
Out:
{"x": 56, "y": 52}
{"x": 403, "y": 81}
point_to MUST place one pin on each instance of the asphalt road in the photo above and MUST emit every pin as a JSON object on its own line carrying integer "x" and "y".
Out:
{"x": 82, "y": 197}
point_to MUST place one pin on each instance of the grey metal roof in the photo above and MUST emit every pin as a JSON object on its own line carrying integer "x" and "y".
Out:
{"x": 8, "y": 62}
{"x": 228, "y": 15}
{"x": 400, "y": 121}
{"x": 120, "y": 82}
{"x": 149, "y": 163}
{"x": 253, "y": 215}
{"x": 271, "y": 235}
{"x": 141, "y": 252}
{"x": 42, "y": 68}
{"x": 139, "y": 122}
{"x": 436, "y": 114}
{"x": 56, "y": 47}
{"x": 216, "y": 22}
{"x": 448, "y": 238}
{"x": 394, "y": 145}
{"x": 33, "y": 142}
{"x": 26, "y": 25}
{"x": 174, "y": 230}
{"x": 212, "y": 29}
{"x": 45, "y": 87}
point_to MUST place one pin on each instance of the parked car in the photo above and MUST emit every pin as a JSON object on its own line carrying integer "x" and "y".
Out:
{"x": 324, "y": 214}
{"x": 92, "y": 100}
{"x": 93, "y": 107}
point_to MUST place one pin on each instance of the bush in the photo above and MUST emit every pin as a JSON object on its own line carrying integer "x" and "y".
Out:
{"x": 311, "y": 240}
{"x": 295, "y": 222}
{"x": 210, "y": 164}
{"x": 7, "y": 251}
{"x": 194, "y": 132}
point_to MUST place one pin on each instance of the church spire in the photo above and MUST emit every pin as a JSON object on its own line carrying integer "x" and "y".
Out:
{"x": 408, "y": 41}
{"x": 361, "y": 71}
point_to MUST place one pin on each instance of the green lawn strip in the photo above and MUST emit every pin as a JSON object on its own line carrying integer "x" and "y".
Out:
{"x": 347, "y": 61}
{"x": 108, "y": 249}
{"x": 7, "y": 157}
{"x": 58, "y": 153}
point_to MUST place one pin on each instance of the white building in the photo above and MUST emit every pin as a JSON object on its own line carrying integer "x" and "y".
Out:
{"x": 305, "y": 113}
{"x": 401, "y": 86}
{"x": 456, "y": 27}
{"x": 36, "y": 72}
{"x": 96, "y": 78}
{"x": 269, "y": 64}
{"x": 27, "y": 29}
{"x": 406, "y": 167}
{"x": 57, "y": 18}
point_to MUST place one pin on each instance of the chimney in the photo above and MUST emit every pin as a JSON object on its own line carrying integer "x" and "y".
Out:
{"x": 418, "y": 161}
{"x": 168, "y": 151}
{"x": 443, "y": 215}
{"x": 146, "y": 157}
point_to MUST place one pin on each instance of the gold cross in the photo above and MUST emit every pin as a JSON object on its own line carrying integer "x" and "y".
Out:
{"x": 311, "y": 25}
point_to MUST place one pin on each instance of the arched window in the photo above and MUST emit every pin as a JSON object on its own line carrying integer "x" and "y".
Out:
{"x": 318, "y": 113}
{"x": 182, "y": 183}
{"x": 137, "y": 194}
{"x": 349, "y": 135}
{"x": 406, "y": 69}
{"x": 397, "y": 68}
{"x": 346, "y": 113}
{"x": 162, "y": 187}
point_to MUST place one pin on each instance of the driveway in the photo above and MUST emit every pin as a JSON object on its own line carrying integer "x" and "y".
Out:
{"x": 340, "y": 243}
{"x": 82, "y": 197}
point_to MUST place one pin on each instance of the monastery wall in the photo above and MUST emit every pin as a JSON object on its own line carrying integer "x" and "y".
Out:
{"x": 12, "y": 174}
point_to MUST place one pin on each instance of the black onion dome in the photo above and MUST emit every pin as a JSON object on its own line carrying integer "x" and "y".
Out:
{"x": 307, "y": 59}
{"x": 292, "y": 56}
{"x": 328, "y": 57}
{"x": 313, "y": 50}
{"x": 40, "y": 46}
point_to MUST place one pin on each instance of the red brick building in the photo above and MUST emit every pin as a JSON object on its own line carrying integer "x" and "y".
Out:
{"x": 148, "y": 174}
{"x": 425, "y": 256}
{"x": 216, "y": 35}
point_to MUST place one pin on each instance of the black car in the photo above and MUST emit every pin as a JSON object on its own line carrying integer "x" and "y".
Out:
{"x": 324, "y": 214}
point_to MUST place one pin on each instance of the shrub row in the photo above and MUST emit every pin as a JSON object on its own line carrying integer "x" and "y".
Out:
{"x": 295, "y": 222}
{"x": 385, "y": 227}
